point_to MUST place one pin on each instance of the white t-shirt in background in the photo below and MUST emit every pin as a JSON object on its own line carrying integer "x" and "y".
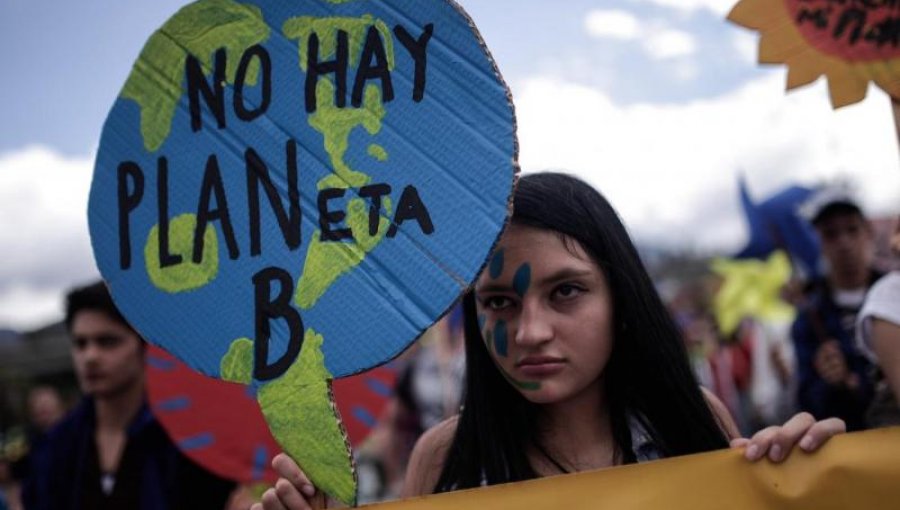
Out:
{"x": 882, "y": 302}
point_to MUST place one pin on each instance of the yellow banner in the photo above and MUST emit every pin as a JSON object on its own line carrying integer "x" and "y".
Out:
{"x": 860, "y": 470}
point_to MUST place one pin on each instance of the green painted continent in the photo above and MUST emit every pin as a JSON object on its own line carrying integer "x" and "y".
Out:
{"x": 200, "y": 29}
{"x": 186, "y": 275}
{"x": 237, "y": 364}
{"x": 328, "y": 260}
{"x": 299, "y": 408}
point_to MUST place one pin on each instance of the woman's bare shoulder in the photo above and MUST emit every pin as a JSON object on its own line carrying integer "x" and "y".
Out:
{"x": 427, "y": 459}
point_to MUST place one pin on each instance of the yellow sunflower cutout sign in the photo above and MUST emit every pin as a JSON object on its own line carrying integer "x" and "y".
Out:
{"x": 850, "y": 42}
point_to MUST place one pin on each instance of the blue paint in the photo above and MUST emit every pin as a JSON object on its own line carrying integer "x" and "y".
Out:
{"x": 377, "y": 309}
{"x": 160, "y": 363}
{"x": 522, "y": 279}
{"x": 362, "y": 414}
{"x": 481, "y": 321}
{"x": 251, "y": 390}
{"x": 260, "y": 458}
{"x": 378, "y": 387}
{"x": 196, "y": 442}
{"x": 496, "y": 267}
{"x": 178, "y": 403}
{"x": 500, "y": 338}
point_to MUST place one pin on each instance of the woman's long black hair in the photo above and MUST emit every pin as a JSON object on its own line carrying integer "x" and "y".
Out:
{"x": 648, "y": 375}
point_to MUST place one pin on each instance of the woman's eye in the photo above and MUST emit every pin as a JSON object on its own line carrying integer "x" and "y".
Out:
{"x": 567, "y": 291}
{"x": 496, "y": 302}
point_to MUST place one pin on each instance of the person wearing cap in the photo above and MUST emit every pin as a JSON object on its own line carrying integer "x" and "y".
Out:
{"x": 834, "y": 377}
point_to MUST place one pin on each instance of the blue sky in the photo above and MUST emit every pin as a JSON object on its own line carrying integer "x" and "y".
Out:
{"x": 659, "y": 103}
{"x": 74, "y": 56}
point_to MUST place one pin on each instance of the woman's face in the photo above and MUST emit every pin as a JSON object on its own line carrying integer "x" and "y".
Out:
{"x": 545, "y": 312}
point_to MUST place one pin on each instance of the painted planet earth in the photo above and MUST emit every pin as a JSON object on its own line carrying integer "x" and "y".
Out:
{"x": 288, "y": 192}
{"x": 272, "y": 167}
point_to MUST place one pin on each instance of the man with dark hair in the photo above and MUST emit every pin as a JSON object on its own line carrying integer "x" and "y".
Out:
{"x": 110, "y": 452}
{"x": 834, "y": 375}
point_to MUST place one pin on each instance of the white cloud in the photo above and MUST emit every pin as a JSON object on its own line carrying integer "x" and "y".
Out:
{"x": 26, "y": 307}
{"x": 46, "y": 247}
{"x": 669, "y": 43}
{"x": 719, "y": 7}
{"x": 685, "y": 70}
{"x": 746, "y": 43}
{"x": 658, "y": 40}
{"x": 671, "y": 170}
{"x": 613, "y": 23}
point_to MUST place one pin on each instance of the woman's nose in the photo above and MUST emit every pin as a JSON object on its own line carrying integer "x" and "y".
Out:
{"x": 534, "y": 325}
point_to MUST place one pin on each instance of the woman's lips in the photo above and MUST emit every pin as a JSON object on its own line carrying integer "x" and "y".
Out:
{"x": 540, "y": 366}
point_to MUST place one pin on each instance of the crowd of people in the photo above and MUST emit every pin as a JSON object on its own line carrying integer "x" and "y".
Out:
{"x": 563, "y": 357}
{"x": 823, "y": 361}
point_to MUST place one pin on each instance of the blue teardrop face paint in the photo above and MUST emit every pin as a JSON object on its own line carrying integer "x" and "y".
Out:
{"x": 481, "y": 321}
{"x": 500, "y": 339}
{"x": 496, "y": 267}
{"x": 522, "y": 279}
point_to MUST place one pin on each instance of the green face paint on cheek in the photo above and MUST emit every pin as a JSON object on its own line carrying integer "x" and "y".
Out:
{"x": 522, "y": 279}
{"x": 522, "y": 385}
{"x": 495, "y": 269}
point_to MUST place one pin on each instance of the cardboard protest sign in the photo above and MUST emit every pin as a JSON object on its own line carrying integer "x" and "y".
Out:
{"x": 851, "y": 43}
{"x": 233, "y": 440}
{"x": 858, "y": 470}
{"x": 288, "y": 192}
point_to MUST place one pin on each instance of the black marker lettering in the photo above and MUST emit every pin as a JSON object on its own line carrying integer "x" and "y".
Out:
{"x": 314, "y": 69}
{"x": 266, "y": 310}
{"x": 416, "y": 49}
{"x": 326, "y": 217}
{"x": 166, "y": 259}
{"x": 368, "y": 70}
{"x": 128, "y": 201}
{"x": 411, "y": 208}
{"x": 212, "y": 184}
{"x": 258, "y": 174}
{"x": 850, "y": 16}
{"x": 375, "y": 192}
{"x": 213, "y": 95}
{"x": 265, "y": 79}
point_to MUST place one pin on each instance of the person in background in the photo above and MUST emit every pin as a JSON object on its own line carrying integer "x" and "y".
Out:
{"x": 110, "y": 452}
{"x": 878, "y": 337}
{"x": 45, "y": 409}
{"x": 833, "y": 376}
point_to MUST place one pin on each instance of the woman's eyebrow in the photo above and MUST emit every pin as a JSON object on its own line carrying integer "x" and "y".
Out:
{"x": 493, "y": 287}
{"x": 567, "y": 273}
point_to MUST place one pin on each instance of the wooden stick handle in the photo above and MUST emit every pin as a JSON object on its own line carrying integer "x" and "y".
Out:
{"x": 319, "y": 501}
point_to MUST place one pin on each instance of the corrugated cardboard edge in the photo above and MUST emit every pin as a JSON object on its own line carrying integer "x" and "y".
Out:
{"x": 509, "y": 200}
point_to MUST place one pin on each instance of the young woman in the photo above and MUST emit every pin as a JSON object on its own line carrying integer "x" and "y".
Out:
{"x": 573, "y": 362}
